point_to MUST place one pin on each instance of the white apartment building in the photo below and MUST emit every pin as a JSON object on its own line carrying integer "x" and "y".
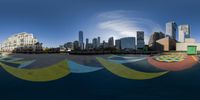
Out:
{"x": 18, "y": 40}
{"x": 184, "y": 32}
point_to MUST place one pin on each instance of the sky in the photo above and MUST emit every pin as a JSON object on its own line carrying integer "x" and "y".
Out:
{"x": 55, "y": 22}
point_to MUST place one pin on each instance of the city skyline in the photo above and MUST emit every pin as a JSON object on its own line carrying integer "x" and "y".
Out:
{"x": 57, "y": 23}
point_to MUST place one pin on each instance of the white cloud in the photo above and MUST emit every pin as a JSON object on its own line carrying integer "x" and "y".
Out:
{"x": 125, "y": 23}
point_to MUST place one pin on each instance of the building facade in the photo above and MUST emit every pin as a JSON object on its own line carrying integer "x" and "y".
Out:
{"x": 95, "y": 43}
{"x": 81, "y": 43}
{"x": 98, "y": 42}
{"x": 153, "y": 45}
{"x": 184, "y": 32}
{"x": 118, "y": 44}
{"x": 69, "y": 46}
{"x": 171, "y": 28}
{"x": 167, "y": 44}
{"x": 111, "y": 42}
{"x": 128, "y": 43}
{"x": 140, "y": 39}
{"x": 183, "y": 46}
{"x": 76, "y": 45}
{"x": 19, "y": 40}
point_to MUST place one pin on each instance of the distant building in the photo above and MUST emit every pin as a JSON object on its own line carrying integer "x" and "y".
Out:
{"x": 68, "y": 46}
{"x": 111, "y": 42}
{"x": 105, "y": 44}
{"x": 128, "y": 43}
{"x": 0, "y": 47}
{"x": 118, "y": 44}
{"x": 152, "y": 41}
{"x": 94, "y": 43}
{"x": 81, "y": 43}
{"x": 98, "y": 42}
{"x": 171, "y": 28}
{"x": 140, "y": 39}
{"x": 184, "y": 32}
{"x": 87, "y": 44}
{"x": 76, "y": 45}
{"x": 62, "y": 48}
{"x": 19, "y": 40}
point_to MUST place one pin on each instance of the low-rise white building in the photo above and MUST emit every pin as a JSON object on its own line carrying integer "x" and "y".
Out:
{"x": 188, "y": 42}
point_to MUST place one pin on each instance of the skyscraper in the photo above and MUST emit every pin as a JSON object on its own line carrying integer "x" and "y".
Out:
{"x": 94, "y": 43}
{"x": 81, "y": 44}
{"x": 118, "y": 44}
{"x": 98, "y": 42}
{"x": 184, "y": 32}
{"x": 76, "y": 45}
{"x": 171, "y": 28}
{"x": 87, "y": 43}
{"x": 140, "y": 39}
{"x": 111, "y": 42}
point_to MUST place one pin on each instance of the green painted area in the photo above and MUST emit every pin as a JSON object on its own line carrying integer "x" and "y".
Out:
{"x": 128, "y": 73}
{"x": 192, "y": 50}
{"x": 50, "y": 73}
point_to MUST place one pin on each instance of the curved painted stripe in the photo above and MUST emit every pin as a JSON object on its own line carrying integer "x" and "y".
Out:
{"x": 126, "y": 57}
{"x": 125, "y": 72}
{"x": 78, "y": 68}
{"x": 14, "y": 59}
{"x": 50, "y": 73}
{"x": 25, "y": 64}
{"x": 126, "y": 61}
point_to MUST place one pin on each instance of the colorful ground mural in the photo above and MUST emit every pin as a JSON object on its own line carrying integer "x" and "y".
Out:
{"x": 184, "y": 62}
{"x": 97, "y": 77}
{"x": 170, "y": 58}
{"x": 19, "y": 67}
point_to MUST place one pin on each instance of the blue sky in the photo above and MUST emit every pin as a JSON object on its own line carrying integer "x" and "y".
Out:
{"x": 55, "y": 22}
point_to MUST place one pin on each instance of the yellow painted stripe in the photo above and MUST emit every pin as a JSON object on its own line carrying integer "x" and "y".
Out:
{"x": 125, "y": 72}
{"x": 50, "y": 73}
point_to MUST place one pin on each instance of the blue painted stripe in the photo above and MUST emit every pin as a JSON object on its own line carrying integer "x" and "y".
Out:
{"x": 78, "y": 68}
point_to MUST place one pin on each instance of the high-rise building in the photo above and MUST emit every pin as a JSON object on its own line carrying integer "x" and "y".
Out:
{"x": 171, "y": 28}
{"x": 19, "y": 40}
{"x": 87, "y": 43}
{"x": 98, "y": 42}
{"x": 184, "y": 32}
{"x": 94, "y": 43}
{"x": 128, "y": 43}
{"x": 81, "y": 44}
{"x": 76, "y": 45}
{"x": 111, "y": 42}
{"x": 140, "y": 39}
{"x": 118, "y": 44}
{"x": 105, "y": 44}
